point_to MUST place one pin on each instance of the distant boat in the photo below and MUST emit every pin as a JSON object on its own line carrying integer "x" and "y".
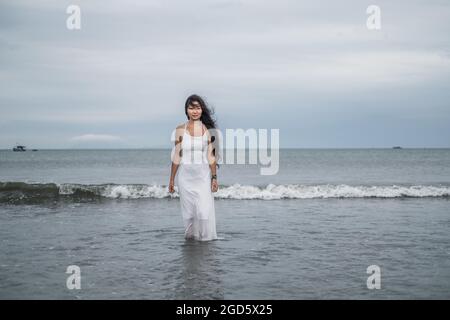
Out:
{"x": 34, "y": 150}
{"x": 396, "y": 147}
{"x": 19, "y": 148}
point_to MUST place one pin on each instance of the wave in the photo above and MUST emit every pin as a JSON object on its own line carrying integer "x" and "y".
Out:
{"x": 22, "y": 192}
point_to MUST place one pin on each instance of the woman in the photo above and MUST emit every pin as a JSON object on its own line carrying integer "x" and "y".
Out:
{"x": 194, "y": 158}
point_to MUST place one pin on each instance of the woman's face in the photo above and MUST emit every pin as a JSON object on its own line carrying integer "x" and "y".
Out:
{"x": 194, "y": 110}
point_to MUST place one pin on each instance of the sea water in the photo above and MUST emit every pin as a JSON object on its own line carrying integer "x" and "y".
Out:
{"x": 308, "y": 232}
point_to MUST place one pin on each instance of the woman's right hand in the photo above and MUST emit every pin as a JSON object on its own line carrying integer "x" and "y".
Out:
{"x": 171, "y": 187}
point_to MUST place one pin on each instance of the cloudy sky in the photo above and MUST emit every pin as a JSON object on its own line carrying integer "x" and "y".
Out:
{"x": 309, "y": 68}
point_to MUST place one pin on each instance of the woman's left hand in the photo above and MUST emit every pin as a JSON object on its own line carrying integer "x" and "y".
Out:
{"x": 214, "y": 185}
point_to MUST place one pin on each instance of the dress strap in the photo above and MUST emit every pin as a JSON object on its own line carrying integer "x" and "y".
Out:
{"x": 185, "y": 129}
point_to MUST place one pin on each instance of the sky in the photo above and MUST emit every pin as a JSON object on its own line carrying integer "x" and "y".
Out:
{"x": 312, "y": 69}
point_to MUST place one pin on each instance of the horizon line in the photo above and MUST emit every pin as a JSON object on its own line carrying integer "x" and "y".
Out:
{"x": 170, "y": 148}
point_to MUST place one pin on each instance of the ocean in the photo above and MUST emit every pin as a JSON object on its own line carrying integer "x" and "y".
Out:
{"x": 311, "y": 231}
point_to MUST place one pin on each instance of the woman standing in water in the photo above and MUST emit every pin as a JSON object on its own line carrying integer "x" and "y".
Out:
{"x": 194, "y": 157}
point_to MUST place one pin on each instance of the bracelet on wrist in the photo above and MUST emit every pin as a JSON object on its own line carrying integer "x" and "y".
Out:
{"x": 214, "y": 177}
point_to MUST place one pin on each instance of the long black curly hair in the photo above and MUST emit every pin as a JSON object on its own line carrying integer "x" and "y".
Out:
{"x": 207, "y": 113}
{"x": 207, "y": 119}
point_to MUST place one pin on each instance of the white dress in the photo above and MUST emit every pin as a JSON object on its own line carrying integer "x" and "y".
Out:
{"x": 194, "y": 188}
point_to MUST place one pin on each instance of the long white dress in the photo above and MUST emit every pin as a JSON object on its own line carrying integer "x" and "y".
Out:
{"x": 194, "y": 187}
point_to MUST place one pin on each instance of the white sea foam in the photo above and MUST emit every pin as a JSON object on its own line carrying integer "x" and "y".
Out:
{"x": 269, "y": 192}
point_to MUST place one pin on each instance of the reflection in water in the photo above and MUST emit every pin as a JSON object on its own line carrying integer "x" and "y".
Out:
{"x": 200, "y": 271}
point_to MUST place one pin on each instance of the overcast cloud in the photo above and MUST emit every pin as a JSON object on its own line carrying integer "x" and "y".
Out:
{"x": 309, "y": 68}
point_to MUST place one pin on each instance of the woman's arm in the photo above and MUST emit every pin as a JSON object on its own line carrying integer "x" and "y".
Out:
{"x": 176, "y": 158}
{"x": 214, "y": 183}
{"x": 212, "y": 165}
{"x": 173, "y": 172}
